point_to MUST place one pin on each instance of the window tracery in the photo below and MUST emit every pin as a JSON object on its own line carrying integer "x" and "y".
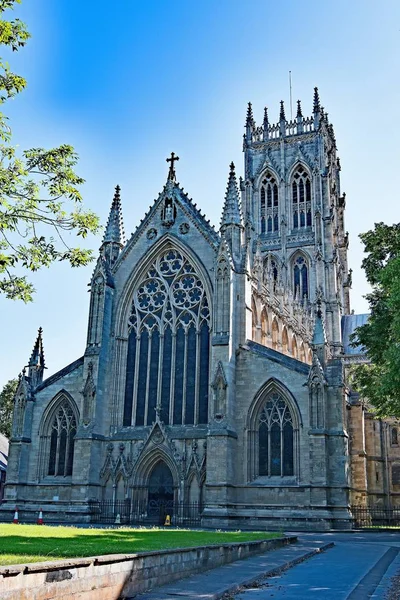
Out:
{"x": 275, "y": 438}
{"x": 168, "y": 350}
{"x": 62, "y": 434}
{"x": 301, "y": 199}
{"x": 300, "y": 278}
{"x": 269, "y": 205}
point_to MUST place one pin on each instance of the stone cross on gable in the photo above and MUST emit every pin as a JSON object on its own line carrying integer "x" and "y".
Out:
{"x": 172, "y": 174}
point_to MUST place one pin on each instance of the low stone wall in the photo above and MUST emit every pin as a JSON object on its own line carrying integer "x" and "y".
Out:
{"x": 117, "y": 575}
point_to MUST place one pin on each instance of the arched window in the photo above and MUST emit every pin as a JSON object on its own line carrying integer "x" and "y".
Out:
{"x": 168, "y": 348}
{"x": 269, "y": 205}
{"x": 301, "y": 199}
{"x": 62, "y": 434}
{"x": 394, "y": 436}
{"x": 300, "y": 278}
{"x": 275, "y": 438}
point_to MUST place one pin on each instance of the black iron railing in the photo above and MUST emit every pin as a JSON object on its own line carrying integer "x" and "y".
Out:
{"x": 375, "y": 516}
{"x": 122, "y": 512}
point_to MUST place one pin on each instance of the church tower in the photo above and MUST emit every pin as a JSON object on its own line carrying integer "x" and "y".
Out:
{"x": 291, "y": 197}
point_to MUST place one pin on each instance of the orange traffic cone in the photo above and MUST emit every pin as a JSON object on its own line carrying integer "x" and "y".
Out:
{"x": 40, "y": 518}
{"x": 15, "y": 519}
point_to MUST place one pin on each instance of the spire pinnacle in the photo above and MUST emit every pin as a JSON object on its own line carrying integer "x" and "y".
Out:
{"x": 37, "y": 356}
{"x": 266, "y": 122}
{"x": 317, "y": 105}
{"x": 282, "y": 112}
{"x": 114, "y": 231}
{"x": 299, "y": 112}
{"x": 231, "y": 211}
{"x": 249, "y": 116}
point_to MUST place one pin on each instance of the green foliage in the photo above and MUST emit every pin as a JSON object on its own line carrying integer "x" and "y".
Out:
{"x": 39, "y": 192}
{"x": 33, "y": 543}
{"x": 379, "y": 381}
{"x": 7, "y": 406}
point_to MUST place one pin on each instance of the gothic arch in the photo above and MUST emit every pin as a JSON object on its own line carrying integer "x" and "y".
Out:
{"x": 299, "y": 163}
{"x": 285, "y": 340}
{"x": 300, "y": 264}
{"x": 56, "y": 436}
{"x": 147, "y": 463}
{"x": 268, "y": 186}
{"x": 277, "y": 399}
{"x": 265, "y": 329}
{"x": 269, "y": 169}
{"x": 275, "y": 333}
{"x": 294, "y": 349}
{"x": 169, "y": 327}
{"x": 300, "y": 184}
{"x": 168, "y": 241}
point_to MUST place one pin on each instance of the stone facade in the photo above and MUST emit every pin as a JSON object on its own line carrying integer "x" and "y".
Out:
{"x": 214, "y": 370}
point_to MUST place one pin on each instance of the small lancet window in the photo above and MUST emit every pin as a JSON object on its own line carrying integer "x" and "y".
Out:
{"x": 275, "y": 438}
{"x": 62, "y": 435}
{"x": 269, "y": 205}
{"x": 394, "y": 436}
{"x": 300, "y": 278}
{"x": 301, "y": 199}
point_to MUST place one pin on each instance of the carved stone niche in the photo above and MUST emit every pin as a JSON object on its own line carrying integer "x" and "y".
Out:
{"x": 168, "y": 213}
{"x": 219, "y": 386}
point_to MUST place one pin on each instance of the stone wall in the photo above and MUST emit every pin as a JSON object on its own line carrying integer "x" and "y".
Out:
{"x": 115, "y": 576}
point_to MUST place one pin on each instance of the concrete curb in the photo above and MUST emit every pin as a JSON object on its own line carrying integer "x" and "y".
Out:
{"x": 271, "y": 572}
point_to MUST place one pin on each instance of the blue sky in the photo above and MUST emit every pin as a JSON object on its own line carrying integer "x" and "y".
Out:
{"x": 127, "y": 84}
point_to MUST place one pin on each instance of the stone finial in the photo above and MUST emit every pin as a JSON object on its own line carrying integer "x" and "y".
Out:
{"x": 249, "y": 117}
{"x": 36, "y": 365}
{"x": 37, "y": 356}
{"x": 317, "y": 105}
{"x": 231, "y": 214}
{"x": 299, "y": 111}
{"x": 282, "y": 116}
{"x": 266, "y": 122}
{"x": 114, "y": 232}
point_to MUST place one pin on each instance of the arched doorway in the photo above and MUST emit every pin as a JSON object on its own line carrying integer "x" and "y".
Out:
{"x": 160, "y": 493}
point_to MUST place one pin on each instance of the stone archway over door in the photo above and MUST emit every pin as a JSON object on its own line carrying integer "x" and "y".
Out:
{"x": 160, "y": 493}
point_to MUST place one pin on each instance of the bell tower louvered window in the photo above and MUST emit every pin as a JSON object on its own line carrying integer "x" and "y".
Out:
{"x": 269, "y": 205}
{"x": 301, "y": 199}
{"x": 168, "y": 349}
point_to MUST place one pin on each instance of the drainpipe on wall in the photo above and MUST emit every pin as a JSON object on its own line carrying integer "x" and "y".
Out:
{"x": 383, "y": 436}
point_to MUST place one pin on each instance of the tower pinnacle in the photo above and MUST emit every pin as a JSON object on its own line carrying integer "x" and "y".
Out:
{"x": 36, "y": 365}
{"x": 317, "y": 105}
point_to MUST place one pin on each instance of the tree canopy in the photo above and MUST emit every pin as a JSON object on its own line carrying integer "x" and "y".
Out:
{"x": 7, "y": 406}
{"x": 379, "y": 381}
{"x": 39, "y": 191}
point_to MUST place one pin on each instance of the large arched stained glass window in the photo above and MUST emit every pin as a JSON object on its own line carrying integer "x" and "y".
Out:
{"x": 62, "y": 434}
{"x": 168, "y": 351}
{"x": 275, "y": 438}
{"x": 301, "y": 199}
{"x": 269, "y": 205}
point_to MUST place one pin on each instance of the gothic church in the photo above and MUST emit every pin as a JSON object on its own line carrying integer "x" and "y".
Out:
{"x": 214, "y": 371}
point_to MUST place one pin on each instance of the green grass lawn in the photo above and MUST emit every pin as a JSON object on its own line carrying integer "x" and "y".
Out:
{"x": 34, "y": 543}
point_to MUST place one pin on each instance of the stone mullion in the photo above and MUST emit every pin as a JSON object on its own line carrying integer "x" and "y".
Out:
{"x": 197, "y": 379}
{"x": 146, "y": 402}
{"x": 172, "y": 386}
{"x": 160, "y": 371}
{"x": 119, "y": 378}
{"x": 57, "y": 452}
{"x": 135, "y": 381}
{"x": 185, "y": 358}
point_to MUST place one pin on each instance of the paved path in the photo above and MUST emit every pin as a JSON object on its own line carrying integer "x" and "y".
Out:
{"x": 357, "y": 567}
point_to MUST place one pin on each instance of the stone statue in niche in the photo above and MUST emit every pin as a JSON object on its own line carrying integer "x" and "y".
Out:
{"x": 168, "y": 213}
